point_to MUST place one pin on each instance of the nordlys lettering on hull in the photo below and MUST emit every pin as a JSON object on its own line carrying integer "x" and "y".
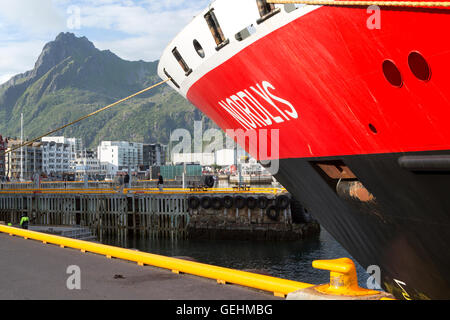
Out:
{"x": 258, "y": 107}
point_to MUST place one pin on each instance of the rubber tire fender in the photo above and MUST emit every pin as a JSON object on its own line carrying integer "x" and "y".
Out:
{"x": 193, "y": 202}
{"x": 227, "y": 202}
{"x": 263, "y": 202}
{"x": 239, "y": 202}
{"x": 273, "y": 213}
{"x": 209, "y": 181}
{"x": 251, "y": 202}
{"x": 206, "y": 202}
{"x": 282, "y": 202}
{"x": 217, "y": 203}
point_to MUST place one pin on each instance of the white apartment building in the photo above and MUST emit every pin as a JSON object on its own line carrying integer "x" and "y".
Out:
{"x": 87, "y": 165}
{"x": 52, "y": 163}
{"x": 119, "y": 156}
{"x": 75, "y": 142}
{"x": 56, "y": 157}
{"x": 23, "y": 163}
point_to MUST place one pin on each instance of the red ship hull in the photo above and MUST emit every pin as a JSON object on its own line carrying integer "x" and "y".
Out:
{"x": 327, "y": 83}
{"x": 328, "y": 65}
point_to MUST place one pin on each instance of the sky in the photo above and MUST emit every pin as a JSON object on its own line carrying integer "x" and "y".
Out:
{"x": 134, "y": 30}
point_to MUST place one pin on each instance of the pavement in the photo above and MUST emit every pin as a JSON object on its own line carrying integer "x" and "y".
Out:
{"x": 31, "y": 270}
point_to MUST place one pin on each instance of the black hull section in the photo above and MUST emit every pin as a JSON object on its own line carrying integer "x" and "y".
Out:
{"x": 401, "y": 225}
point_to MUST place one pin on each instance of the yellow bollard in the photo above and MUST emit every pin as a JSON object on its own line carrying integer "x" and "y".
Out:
{"x": 343, "y": 278}
{"x": 343, "y": 284}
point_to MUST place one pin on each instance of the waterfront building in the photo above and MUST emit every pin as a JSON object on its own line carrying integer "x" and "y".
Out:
{"x": 75, "y": 143}
{"x": 3, "y": 147}
{"x": 25, "y": 162}
{"x": 120, "y": 156}
{"x": 57, "y": 158}
{"x": 73, "y": 147}
{"x": 88, "y": 165}
{"x": 154, "y": 154}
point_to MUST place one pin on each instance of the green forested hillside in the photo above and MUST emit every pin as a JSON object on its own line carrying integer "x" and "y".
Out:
{"x": 72, "y": 78}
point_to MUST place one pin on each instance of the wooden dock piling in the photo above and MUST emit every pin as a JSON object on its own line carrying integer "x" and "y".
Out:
{"x": 155, "y": 216}
{"x": 150, "y": 213}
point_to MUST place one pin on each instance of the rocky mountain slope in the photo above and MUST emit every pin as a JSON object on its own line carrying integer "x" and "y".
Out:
{"x": 72, "y": 78}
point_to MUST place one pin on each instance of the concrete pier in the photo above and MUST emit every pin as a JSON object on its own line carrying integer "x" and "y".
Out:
{"x": 41, "y": 266}
{"x": 33, "y": 270}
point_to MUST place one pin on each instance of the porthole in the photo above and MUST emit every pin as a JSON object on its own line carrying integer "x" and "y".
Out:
{"x": 392, "y": 74}
{"x": 199, "y": 49}
{"x": 266, "y": 10}
{"x": 181, "y": 61}
{"x": 216, "y": 30}
{"x": 419, "y": 66}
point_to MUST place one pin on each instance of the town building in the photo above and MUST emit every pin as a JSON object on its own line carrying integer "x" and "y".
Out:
{"x": 75, "y": 143}
{"x": 88, "y": 165}
{"x": 120, "y": 156}
{"x": 57, "y": 158}
{"x": 154, "y": 154}
{"x": 52, "y": 163}
{"x": 23, "y": 163}
{"x": 3, "y": 147}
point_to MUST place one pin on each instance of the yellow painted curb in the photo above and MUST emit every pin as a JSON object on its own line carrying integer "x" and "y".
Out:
{"x": 222, "y": 275}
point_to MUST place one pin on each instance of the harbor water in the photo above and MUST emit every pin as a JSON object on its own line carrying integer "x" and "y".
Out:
{"x": 284, "y": 259}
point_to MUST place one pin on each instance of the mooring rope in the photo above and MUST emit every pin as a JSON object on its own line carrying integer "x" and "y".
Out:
{"x": 365, "y": 3}
{"x": 28, "y": 143}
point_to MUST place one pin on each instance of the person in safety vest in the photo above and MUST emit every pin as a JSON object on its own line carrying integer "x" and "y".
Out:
{"x": 24, "y": 221}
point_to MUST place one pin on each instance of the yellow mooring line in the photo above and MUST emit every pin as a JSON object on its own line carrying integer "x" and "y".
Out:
{"x": 365, "y": 3}
{"x": 28, "y": 143}
{"x": 279, "y": 287}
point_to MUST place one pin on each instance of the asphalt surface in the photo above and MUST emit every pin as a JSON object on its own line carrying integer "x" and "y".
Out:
{"x": 32, "y": 270}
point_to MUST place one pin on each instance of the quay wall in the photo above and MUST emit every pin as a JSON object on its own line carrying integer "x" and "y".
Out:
{"x": 172, "y": 213}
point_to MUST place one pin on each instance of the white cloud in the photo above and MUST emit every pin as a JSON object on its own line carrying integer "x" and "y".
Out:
{"x": 30, "y": 16}
{"x": 146, "y": 43}
{"x": 4, "y": 78}
{"x": 17, "y": 58}
{"x": 25, "y": 27}
{"x": 134, "y": 30}
{"x": 148, "y": 29}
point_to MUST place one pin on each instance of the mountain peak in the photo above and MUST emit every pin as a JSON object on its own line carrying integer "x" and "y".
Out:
{"x": 72, "y": 77}
{"x": 70, "y": 43}
{"x": 68, "y": 37}
{"x": 65, "y": 45}
{"x": 65, "y": 36}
